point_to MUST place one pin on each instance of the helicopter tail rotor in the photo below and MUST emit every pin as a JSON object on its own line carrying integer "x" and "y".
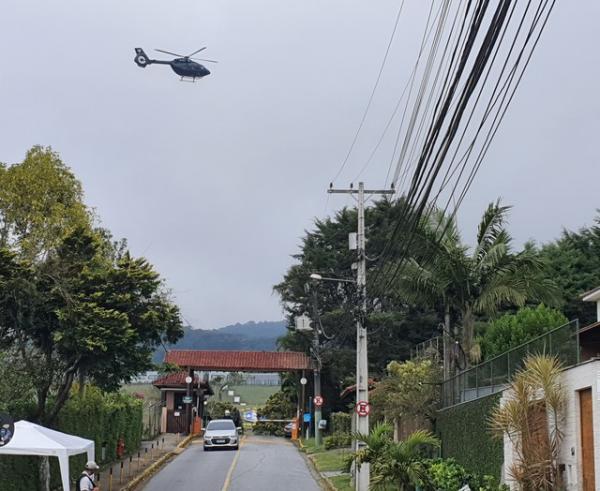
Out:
{"x": 141, "y": 59}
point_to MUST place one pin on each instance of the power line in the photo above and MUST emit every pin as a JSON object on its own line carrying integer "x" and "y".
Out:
{"x": 366, "y": 111}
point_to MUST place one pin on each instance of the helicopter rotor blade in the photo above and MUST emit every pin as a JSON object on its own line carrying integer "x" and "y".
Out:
{"x": 169, "y": 53}
{"x": 204, "y": 59}
{"x": 196, "y": 52}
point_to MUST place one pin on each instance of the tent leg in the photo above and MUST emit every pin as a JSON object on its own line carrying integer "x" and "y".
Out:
{"x": 63, "y": 461}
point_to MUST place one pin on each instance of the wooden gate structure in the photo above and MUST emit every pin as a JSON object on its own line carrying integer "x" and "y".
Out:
{"x": 191, "y": 361}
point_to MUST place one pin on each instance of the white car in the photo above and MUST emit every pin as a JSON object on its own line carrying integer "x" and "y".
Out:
{"x": 221, "y": 433}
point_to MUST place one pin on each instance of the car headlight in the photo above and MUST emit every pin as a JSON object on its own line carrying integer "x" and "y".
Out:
{"x": 233, "y": 439}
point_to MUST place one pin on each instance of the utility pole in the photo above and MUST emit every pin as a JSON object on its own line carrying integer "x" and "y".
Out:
{"x": 317, "y": 370}
{"x": 362, "y": 473}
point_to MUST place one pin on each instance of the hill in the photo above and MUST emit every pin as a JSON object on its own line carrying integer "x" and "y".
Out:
{"x": 250, "y": 336}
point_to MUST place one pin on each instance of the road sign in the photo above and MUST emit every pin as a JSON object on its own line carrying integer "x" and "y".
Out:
{"x": 187, "y": 399}
{"x": 318, "y": 400}
{"x": 362, "y": 408}
{"x": 303, "y": 381}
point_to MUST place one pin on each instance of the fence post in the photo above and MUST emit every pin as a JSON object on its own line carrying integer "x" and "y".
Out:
{"x": 121, "y": 473}
{"x": 578, "y": 348}
{"x": 110, "y": 478}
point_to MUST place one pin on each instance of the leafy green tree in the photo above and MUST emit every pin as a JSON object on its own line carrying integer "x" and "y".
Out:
{"x": 394, "y": 324}
{"x": 573, "y": 263}
{"x": 480, "y": 282}
{"x": 511, "y": 330}
{"x": 408, "y": 392}
{"x": 85, "y": 312}
{"x": 41, "y": 201}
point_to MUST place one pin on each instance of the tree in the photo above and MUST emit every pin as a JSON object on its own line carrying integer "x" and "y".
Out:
{"x": 511, "y": 330}
{"x": 532, "y": 417}
{"x": 408, "y": 395}
{"x": 394, "y": 324}
{"x": 573, "y": 262}
{"x": 469, "y": 284}
{"x": 89, "y": 313}
{"x": 41, "y": 201}
{"x": 398, "y": 464}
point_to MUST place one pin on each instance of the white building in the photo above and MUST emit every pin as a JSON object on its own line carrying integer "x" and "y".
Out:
{"x": 579, "y": 460}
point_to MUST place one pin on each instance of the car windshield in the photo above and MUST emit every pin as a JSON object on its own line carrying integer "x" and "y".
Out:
{"x": 220, "y": 425}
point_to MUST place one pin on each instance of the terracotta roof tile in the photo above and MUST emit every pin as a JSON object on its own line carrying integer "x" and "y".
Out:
{"x": 254, "y": 361}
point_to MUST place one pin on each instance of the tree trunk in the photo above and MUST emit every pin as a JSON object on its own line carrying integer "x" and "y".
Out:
{"x": 468, "y": 322}
{"x": 446, "y": 343}
{"x": 45, "y": 474}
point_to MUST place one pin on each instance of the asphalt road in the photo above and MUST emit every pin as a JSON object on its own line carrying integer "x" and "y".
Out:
{"x": 262, "y": 463}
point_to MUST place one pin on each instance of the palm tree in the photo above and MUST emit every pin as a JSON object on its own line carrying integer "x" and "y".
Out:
{"x": 400, "y": 464}
{"x": 466, "y": 283}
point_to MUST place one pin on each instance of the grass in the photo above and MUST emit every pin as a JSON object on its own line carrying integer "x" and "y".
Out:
{"x": 328, "y": 461}
{"x": 342, "y": 483}
{"x": 149, "y": 392}
{"x": 252, "y": 395}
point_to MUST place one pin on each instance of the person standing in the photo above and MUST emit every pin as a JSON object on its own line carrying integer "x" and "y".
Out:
{"x": 86, "y": 480}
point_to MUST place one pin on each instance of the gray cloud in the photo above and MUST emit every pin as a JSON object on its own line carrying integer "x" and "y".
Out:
{"x": 215, "y": 181}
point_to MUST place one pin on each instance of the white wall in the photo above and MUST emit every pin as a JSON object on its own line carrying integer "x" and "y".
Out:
{"x": 574, "y": 379}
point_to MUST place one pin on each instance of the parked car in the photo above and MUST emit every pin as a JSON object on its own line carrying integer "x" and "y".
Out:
{"x": 221, "y": 433}
{"x": 287, "y": 430}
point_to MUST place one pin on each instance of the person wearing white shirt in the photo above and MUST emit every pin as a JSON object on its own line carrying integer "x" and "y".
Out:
{"x": 86, "y": 480}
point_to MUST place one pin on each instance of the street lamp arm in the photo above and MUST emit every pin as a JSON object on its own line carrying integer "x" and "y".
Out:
{"x": 318, "y": 277}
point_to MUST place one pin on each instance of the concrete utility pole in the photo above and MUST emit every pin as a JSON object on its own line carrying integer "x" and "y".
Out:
{"x": 362, "y": 360}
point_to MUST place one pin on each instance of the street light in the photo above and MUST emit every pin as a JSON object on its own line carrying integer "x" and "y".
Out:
{"x": 318, "y": 277}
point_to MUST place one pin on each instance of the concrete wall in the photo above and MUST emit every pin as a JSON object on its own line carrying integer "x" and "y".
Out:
{"x": 583, "y": 376}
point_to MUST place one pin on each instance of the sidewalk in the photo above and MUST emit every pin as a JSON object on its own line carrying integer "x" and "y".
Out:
{"x": 117, "y": 475}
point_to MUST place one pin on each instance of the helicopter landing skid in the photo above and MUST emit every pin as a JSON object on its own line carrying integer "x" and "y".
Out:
{"x": 191, "y": 80}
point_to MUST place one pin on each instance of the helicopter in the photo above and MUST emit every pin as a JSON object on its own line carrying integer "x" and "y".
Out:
{"x": 182, "y": 66}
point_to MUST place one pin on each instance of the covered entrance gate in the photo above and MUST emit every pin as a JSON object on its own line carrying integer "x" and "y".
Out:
{"x": 234, "y": 361}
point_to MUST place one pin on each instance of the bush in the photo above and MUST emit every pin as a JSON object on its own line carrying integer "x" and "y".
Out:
{"x": 337, "y": 440}
{"x": 97, "y": 416}
{"x": 341, "y": 422}
{"x": 448, "y": 475}
{"x": 277, "y": 406}
{"x": 512, "y": 330}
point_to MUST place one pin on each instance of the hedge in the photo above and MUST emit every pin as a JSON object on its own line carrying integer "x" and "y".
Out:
{"x": 341, "y": 422}
{"x": 466, "y": 438}
{"x": 101, "y": 417}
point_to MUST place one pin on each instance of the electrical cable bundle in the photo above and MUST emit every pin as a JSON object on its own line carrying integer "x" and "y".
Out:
{"x": 471, "y": 61}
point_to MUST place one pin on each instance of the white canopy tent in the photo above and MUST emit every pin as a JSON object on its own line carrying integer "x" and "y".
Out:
{"x": 32, "y": 439}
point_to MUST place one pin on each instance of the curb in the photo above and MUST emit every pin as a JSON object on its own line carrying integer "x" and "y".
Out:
{"x": 156, "y": 466}
{"x": 324, "y": 480}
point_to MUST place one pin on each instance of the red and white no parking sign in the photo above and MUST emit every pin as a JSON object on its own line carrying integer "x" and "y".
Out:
{"x": 362, "y": 408}
{"x": 318, "y": 400}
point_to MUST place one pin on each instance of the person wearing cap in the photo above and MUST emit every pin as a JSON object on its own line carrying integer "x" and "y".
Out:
{"x": 86, "y": 480}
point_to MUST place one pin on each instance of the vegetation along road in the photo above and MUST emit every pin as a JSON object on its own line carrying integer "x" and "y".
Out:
{"x": 261, "y": 463}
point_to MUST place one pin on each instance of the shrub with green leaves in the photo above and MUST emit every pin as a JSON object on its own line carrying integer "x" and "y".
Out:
{"x": 341, "y": 422}
{"x": 337, "y": 440}
{"x": 448, "y": 475}
{"x": 511, "y": 330}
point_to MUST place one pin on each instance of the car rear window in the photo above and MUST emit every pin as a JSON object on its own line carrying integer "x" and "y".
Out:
{"x": 220, "y": 425}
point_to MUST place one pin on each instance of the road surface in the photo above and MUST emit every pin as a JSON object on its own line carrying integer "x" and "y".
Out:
{"x": 262, "y": 463}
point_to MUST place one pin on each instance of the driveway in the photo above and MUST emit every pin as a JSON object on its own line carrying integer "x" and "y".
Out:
{"x": 262, "y": 463}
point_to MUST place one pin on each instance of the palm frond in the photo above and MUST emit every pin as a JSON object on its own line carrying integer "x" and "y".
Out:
{"x": 491, "y": 227}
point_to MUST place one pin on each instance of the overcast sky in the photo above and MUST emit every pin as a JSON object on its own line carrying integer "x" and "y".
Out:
{"x": 215, "y": 181}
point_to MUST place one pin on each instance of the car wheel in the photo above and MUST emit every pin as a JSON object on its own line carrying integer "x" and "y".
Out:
{"x": 237, "y": 447}
{"x": 206, "y": 449}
